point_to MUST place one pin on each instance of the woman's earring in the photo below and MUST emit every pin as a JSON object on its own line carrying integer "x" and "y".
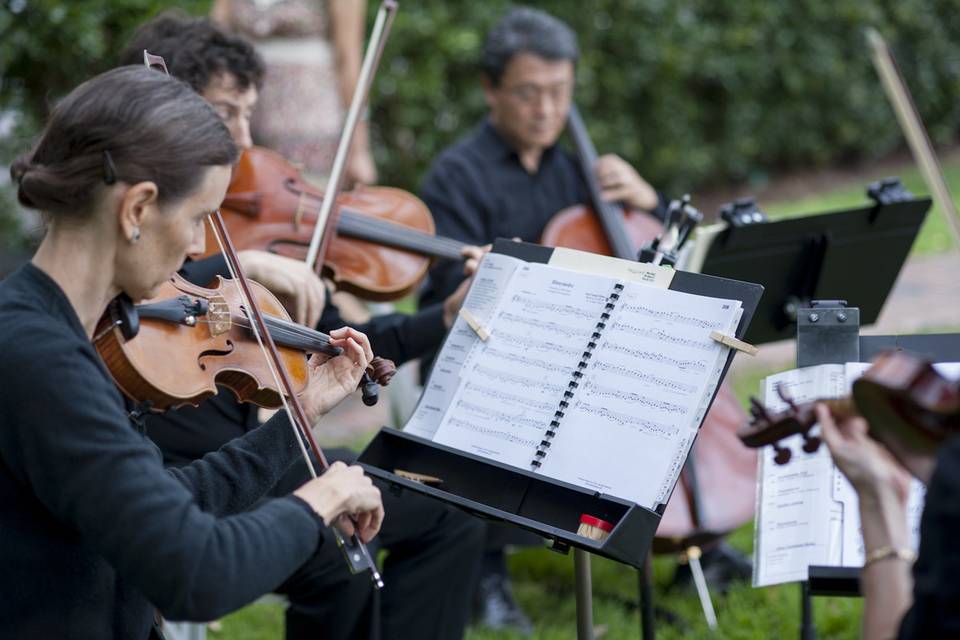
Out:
{"x": 136, "y": 235}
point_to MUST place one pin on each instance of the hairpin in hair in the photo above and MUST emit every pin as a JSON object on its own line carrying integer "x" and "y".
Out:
{"x": 109, "y": 169}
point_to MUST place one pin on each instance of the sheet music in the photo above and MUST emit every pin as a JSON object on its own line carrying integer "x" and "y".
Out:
{"x": 643, "y": 395}
{"x": 490, "y": 281}
{"x": 798, "y": 521}
{"x": 513, "y": 383}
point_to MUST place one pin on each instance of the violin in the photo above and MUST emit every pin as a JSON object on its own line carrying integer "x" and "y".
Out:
{"x": 203, "y": 337}
{"x": 600, "y": 227}
{"x": 909, "y": 406}
{"x": 384, "y": 240}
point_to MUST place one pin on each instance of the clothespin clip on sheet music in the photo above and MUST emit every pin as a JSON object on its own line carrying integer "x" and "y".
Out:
{"x": 474, "y": 324}
{"x": 734, "y": 343}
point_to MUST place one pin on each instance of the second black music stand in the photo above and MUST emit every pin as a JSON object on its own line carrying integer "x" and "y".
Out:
{"x": 855, "y": 254}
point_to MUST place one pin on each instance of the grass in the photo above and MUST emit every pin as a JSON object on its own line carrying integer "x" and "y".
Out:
{"x": 543, "y": 581}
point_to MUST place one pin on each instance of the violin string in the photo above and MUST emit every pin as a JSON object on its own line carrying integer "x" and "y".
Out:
{"x": 389, "y": 233}
{"x": 299, "y": 437}
{"x": 399, "y": 240}
{"x": 391, "y": 230}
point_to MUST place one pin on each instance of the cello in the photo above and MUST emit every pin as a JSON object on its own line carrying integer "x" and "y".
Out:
{"x": 715, "y": 493}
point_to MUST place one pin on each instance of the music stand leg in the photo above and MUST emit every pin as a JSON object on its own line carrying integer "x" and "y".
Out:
{"x": 584, "y": 589}
{"x": 807, "y": 630}
{"x": 645, "y": 584}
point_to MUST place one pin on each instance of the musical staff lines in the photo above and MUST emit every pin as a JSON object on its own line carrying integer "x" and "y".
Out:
{"x": 532, "y": 344}
{"x": 634, "y": 422}
{"x": 670, "y": 316}
{"x": 662, "y": 336}
{"x": 547, "y": 326}
{"x": 487, "y": 414}
{"x": 665, "y": 383}
{"x": 510, "y": 356}
{"x": 535, "y": 306}
{"x": 506, "y": 436}
{"x": 593, "y": 389}
{"x": 655, "y": 356}
{"x": 500, "y": 396}
{"x": 505, "y": 378}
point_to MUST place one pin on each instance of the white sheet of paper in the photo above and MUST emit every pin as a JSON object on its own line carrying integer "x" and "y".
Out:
{"x": 796, "y": 514}
{"x": 643, "y": 395}
{"x": 514, "y": 382}
{"x": 490, "y": 282}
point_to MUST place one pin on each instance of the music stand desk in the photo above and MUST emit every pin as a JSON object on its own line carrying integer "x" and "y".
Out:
{"x": 854, "y": 254}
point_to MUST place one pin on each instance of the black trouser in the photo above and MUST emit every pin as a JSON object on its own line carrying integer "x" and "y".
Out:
{"x": 433, "y": 557}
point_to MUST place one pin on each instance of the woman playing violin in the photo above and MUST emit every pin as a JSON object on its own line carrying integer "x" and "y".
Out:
{"x": 433, "y": 550}
{"x": 898, "y": 602}
{"x": 96, "y": 533}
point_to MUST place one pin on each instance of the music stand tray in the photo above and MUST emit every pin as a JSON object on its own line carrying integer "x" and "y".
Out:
{"x": 833, "y": 256}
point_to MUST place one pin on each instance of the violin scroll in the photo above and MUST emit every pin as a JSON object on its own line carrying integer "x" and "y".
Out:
{"x": 770, "y": 428}
{"x": 909, "y": 406}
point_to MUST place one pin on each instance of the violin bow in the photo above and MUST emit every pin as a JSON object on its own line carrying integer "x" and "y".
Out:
{"x": 912, "y": 126}
{"x": 355, "y": 551}
{"x": 371, "y": 60}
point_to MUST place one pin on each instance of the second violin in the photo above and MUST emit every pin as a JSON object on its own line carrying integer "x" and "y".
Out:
{"x": 384, "y": 236}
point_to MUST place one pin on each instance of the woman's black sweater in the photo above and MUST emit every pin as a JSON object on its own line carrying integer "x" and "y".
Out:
{"x": 94, "y": 532}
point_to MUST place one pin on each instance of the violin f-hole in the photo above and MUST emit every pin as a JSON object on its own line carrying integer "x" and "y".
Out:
{"x": 214, "y": 353}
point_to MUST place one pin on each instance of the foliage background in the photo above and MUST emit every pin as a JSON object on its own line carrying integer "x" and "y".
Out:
{"x": 695, "y": 92}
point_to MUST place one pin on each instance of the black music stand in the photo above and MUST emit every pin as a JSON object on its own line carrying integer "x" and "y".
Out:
{"x": 531, "y": 501}
{"x": 837, "y": 255}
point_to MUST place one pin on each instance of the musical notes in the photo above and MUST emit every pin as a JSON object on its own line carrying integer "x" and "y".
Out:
{"x": 493, "y": 433}
{"x": 660, "y": 335}
{"x": 533, "y": 305}
{"x": 501, "y": 396}
{"x": 627, "y": 420}
{"x": 525, "y": 343}
{"x": 524, "y": 382}
{"x": 487, "y": 413}
{"x": 656, "y": 356}
{"x": 535, "y": 363}
{"x": 593, "y": 389}
{"x": 672, "y": 317}
{"x": 647, "y": 378}
{"x": 546, "y": 326}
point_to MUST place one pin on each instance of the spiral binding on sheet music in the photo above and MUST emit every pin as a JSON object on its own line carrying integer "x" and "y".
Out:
{"x": 548, "y": 436}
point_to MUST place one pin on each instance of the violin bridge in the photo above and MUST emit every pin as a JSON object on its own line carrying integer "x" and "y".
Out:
{"x": 219, "y": 316}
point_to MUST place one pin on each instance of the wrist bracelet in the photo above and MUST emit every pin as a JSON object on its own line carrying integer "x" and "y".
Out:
{"x": 883, "y": 553}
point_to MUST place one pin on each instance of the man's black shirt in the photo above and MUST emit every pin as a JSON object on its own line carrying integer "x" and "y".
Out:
{"x": 478, "y": 191}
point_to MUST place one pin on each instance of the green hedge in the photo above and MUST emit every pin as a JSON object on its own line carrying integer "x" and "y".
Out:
{"x": 694, "y": 92}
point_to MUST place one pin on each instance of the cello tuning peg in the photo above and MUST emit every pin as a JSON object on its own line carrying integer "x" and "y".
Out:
{"x": 811, "y": 443}
{"x": 783, "y": 454}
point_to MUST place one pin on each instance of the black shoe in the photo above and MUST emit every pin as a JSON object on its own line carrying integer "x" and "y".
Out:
{"x": 496, "y": 608}
{"x": 722, "y": 566}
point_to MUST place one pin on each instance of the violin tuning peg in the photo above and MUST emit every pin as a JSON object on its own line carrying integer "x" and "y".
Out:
{"x": 785, "y": 395}
{"x": 783, "y": 455}
{"x": 811, "y": 443}
{"x": 757, "y": 410}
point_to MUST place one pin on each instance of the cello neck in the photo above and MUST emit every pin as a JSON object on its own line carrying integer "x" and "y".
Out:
{"x": 397, "y": 236}
{"x": 611, "y": 214}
